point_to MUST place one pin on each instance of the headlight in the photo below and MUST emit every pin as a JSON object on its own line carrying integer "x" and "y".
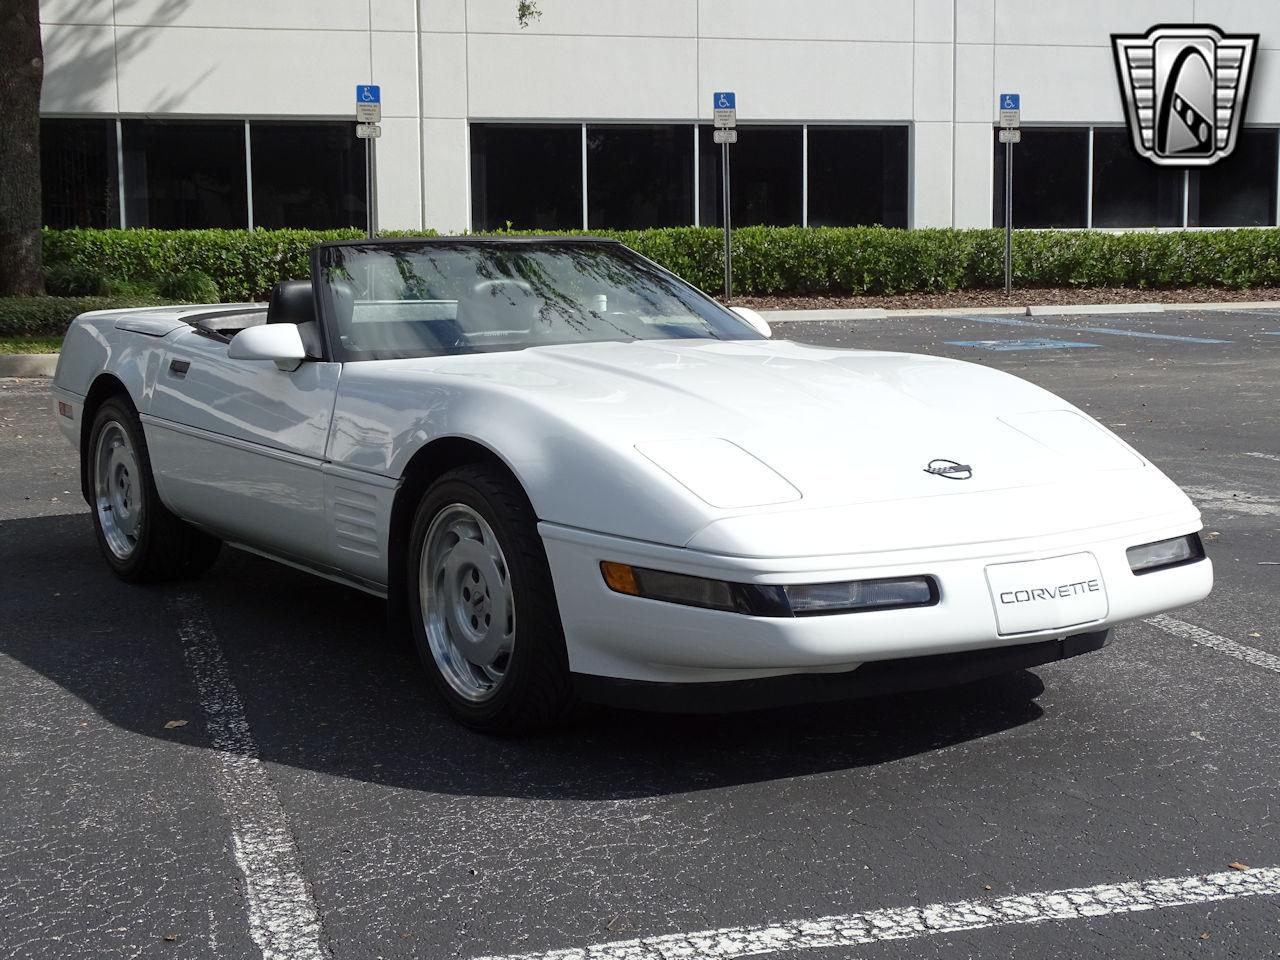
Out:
{"x": 760, "y": 600}
{"x": 809, "y": 598}
{"x": 1150, "y": 557}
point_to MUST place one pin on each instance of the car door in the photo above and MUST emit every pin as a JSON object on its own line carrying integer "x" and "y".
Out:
{"x": 238, "y": 446}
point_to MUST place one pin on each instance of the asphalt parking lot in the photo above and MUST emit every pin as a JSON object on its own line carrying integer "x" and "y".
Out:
{"x": 246, "y": 766}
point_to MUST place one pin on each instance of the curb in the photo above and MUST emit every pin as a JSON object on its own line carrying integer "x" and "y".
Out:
{"x": 1063, "y": 309}
{"x": 28, "y": 364}
{"x": 817, "y": 316}
{"x": 1035, "y": 310}
{"x": 1228, "y": 305}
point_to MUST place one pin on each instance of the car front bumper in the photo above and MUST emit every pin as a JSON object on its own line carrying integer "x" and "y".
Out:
{"x": 613, "y": 635}
{"x": 876, "y": 678}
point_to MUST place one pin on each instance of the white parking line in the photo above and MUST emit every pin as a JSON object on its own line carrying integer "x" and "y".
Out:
{"x": 858, "y": 929}
{"x": 1264, "y": 456}
{"x": 282, "y": 916}
{"x": 1241, "y": 651}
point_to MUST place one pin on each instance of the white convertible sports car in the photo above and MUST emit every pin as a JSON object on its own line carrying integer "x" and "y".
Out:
{"x": 576, "y": 477}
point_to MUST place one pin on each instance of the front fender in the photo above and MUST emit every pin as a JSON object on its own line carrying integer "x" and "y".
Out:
{"x": 573, "y": 475}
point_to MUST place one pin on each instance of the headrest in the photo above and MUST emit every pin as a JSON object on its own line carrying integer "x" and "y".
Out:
{"x": 343, "y": 295}
{"x": 292, "y": 301}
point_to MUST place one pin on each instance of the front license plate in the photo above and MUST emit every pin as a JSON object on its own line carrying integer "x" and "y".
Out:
{"x": 1047, "y": 594}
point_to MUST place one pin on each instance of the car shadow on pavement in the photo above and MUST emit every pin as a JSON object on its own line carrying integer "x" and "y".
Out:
{"x": 326, "y": 689}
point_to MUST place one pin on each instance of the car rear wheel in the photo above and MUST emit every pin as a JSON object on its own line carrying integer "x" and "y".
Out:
{"x": 141, "y": 540}
{"x": 483, "y": 606}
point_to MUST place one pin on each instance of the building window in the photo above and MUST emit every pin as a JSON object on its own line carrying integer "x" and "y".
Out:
{"x": 307, "y": 175}
{"x": 639, "y": 176}
{"x": 766, "y": 177}
{"x": 857, "y": 175}
{"x": 1239, "y": 191}
{"x": 1129, "y": 190}
{"x": 529, "y": 176}
{"x": 1050, "y": 178}
{"x": 79, "y": 178}
{"x": 185, "y": 175}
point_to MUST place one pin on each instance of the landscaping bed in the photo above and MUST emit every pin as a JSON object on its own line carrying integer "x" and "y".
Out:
{"x": 1019, "y": 299}
{"x": 24, "y": 345}
{"x": 792, "y": 268}
{"x": 768, "y": 261}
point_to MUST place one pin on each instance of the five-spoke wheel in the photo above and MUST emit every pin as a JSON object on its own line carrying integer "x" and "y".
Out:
{"x": 140, "y": 539}
{"x": 117, "y": 489}
{"x": 482, "y": 604}
{"x": 466, "y": 602}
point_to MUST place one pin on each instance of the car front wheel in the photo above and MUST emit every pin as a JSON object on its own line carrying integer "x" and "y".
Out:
{"x": 483, "y": 606}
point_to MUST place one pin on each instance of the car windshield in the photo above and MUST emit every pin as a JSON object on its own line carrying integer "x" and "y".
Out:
{"x": 390, "y": 300}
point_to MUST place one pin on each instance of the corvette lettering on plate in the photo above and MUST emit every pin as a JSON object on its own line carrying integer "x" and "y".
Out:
{"x": 1047, "y": 594}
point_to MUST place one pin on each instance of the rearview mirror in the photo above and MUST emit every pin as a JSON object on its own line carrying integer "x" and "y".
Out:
{"x": 279, "y": 342}
{"x": 758, "y": 323}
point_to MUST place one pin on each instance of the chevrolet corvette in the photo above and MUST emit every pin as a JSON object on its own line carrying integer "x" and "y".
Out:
{"x": 574, "y": 477}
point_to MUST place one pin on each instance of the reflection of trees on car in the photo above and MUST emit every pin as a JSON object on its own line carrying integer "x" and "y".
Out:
{"x": 513, "y": 293}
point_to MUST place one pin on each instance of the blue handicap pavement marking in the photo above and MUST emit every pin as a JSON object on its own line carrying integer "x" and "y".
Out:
{"x": 1003, "y": 346}
{"x": 1109, "y": 331}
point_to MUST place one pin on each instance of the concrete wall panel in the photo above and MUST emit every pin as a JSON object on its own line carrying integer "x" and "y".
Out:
{"x": 448, "y": 172}
{"x": 581, "y": 77}
{"x": 808, "y": 80}
{"x": 79, "y": 69}
{"x": 860, "y": 20}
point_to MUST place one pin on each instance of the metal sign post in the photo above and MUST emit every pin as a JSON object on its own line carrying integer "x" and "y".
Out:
{"x": 1010, "y": 121}
{"x": 368, "y": 116}
{"x": 724, "y": 111}
{"x": 728, "y": 236}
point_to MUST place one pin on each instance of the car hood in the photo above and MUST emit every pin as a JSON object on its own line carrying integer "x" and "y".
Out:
{"x": 838, "y": 426}
{"x": 697, "y": 443}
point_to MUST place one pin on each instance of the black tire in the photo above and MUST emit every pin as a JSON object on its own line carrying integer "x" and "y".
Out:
{"x": 163, "y": 547}
{"x": 535, "y": 690}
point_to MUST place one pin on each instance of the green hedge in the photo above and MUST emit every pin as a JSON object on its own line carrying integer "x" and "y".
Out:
{"x": 50, "y": 316}
{"x": 767, "y": 260}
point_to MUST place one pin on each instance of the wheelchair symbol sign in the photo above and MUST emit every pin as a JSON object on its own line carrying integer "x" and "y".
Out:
{"x": 1010, "y": 101}
{"x": 368, "y": 93}
{"x": 724, "y": 100}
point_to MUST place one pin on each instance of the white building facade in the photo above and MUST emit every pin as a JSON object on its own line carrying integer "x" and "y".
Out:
{"x": 239, "y": 113}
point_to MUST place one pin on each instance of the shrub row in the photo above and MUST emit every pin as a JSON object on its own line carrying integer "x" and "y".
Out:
{"x": 50, "y": 316}
{"x": 767, "y": 260}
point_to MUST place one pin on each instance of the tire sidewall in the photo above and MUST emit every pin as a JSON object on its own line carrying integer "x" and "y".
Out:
{"x": 115, "y": 411}
{"x": 533, "y": 631}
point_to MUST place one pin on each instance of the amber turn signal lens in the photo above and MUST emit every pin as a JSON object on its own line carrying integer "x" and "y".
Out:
{"x": 620, "y": 577}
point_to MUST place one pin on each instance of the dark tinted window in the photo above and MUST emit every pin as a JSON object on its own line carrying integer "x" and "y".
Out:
{"x": 1129, "y": 190}
{"x": 1050, "y": 178}
{"x": 185, "y": 174}
{"x": 639, "y": 176}
{"x": 857, "y": 175}
{"x": 765, "y": 176}
{"x": 525, "y": 175}
{"x": 80, "y": 186}
{"x": 307, "y": 175}
{"x": 1239, "y": 191}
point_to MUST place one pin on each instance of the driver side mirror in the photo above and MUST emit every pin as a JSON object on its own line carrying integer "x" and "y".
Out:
{"x": 278, "y": 342}
{"x": 757, "y": 322}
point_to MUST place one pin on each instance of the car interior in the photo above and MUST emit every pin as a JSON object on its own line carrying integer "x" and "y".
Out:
{"x": 489, "y": 314}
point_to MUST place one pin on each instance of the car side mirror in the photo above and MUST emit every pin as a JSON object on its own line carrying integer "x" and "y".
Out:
{"x": 278, "y": 342}
{"x": 758, "y": 323}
